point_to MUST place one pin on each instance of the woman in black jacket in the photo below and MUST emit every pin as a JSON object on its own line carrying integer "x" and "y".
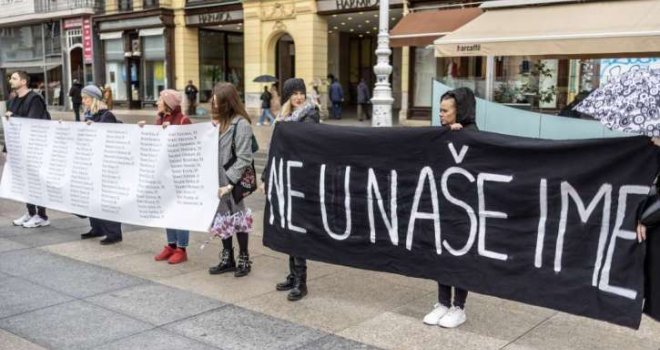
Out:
{"x": 296, "y": 108}
{"x": 96, "y": 111}
{"x": 457, "y": 111}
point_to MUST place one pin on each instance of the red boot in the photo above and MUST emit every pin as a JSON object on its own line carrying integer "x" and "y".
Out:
{"x": 165, "y": 254}
{"x": 179, "y": 256}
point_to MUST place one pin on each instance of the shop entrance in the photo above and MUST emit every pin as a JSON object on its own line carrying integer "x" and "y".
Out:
{"x": 285, "y": 59}
{"x": 134, "y": 99}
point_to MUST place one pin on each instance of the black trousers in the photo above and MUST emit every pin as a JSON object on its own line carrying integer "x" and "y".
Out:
{"x": 76, "y": 110}
{"x": 297, "y": 266}
{"x": 444, "y": 296}
{"x": 34, "y": 210}
{"x": 110, "y": 229}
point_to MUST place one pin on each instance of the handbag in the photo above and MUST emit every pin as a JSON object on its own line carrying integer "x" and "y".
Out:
{"x": 248, "y": 181}
{"x": 651, "y": 215}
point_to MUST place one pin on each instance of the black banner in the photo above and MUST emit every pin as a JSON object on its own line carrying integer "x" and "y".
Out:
{"x": 548, "y": 223}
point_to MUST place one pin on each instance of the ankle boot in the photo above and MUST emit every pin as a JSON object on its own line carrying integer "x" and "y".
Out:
{"x": 243, "y": 266}
{"x": 227, "y": 263}
{"x": 299, "y": 288}
{"x": 286, "y": 285}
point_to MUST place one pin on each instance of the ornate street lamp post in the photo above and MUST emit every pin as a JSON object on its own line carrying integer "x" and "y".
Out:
{"x": 382, "y": 99}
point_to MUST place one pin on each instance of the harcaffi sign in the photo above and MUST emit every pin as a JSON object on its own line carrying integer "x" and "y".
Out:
{"x": 341, "y": 5}
{"x": 211, "y": 18}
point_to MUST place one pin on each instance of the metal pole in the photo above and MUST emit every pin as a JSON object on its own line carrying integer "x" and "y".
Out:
{"x": 382, "y": 100}
{"x": 43, "y": 46}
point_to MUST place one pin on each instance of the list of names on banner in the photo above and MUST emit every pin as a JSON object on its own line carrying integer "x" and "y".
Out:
{"x": 145, "y": 176}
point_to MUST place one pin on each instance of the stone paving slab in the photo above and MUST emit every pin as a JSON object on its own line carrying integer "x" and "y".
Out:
{"x": 89, "y": 250}
{"x": 143, "y": 265}
{"x": 18, "y": 296}
{"x": 235, "y": 328}
{"x": 30, "y": 261}
{"x": 82, "y": 280}
{"x": 39, "y": 237}
{"x": 12, "y": 342}
{"x": 74, "y": 325}
{"x": 156, "y": 340}
{"x": 331, "y": 342}
{"x": 7, "y": 245}
{"x": 72, "y": 223}
{"x": 155, "y": 304}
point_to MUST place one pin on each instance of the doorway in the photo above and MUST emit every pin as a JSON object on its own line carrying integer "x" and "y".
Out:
{"x": 285, "y": 59}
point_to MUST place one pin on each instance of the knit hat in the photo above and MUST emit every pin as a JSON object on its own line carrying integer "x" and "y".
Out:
{"x": 172, "y": 98}
{"x": 92, "y": 91}
{"x": 290, "y": 86}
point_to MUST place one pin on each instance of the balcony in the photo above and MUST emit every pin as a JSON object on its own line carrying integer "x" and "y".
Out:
{"x": 47, "y": 6}
{"x": 204, "y": 3}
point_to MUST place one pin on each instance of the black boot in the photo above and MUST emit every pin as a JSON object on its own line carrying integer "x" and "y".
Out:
{"x": 286, "y": 285}
{"x": 243, "y": 268}
{"x": 227, "y": 263}
{"x": 299, "y": 287}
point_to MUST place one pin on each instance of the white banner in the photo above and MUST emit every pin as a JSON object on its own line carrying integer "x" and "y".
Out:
{"x": 146, "y": 176}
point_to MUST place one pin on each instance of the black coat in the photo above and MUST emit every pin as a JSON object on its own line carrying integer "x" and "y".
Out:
{"x": 74, "y": 93}
{"x": 104, "y": 116}
{"x": 466, "y": 107}
{"x": 651, "y": 265}
{"x": 265, "y": 99}
{"x": 32, "y": 105}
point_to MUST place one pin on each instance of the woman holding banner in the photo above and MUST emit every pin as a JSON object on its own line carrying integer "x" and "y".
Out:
{"x": 96, "y": 111}
{"x": 170, "y": 113}
{"x": 457, "y": 111}
{"x": 234, "y": 158}
{"x": 296, "y": 108}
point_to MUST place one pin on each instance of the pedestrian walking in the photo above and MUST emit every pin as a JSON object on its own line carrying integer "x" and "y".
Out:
{"x": 107, "y": 96}
{"x": 169, "y": 113}
{"x": 76, "y": 99}
{"x": 296, "y": 108}
{"x": 234, "y": 158}
{"x": 27, "y": 104}
{"x": 96, "y": 111}
{"x": 275, "y": 104}
{"x": 363, "y": 98}
{"x": 191, "y": 95}
{"x": 266, "y": 97}
{"x": 336, "y": 98}
{"x": 457, "y": 111}
{"x": 315, "y": 96}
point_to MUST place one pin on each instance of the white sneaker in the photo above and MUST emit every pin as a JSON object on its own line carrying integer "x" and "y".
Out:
{"x": 23, "y": 219}
{"x": 36, "y": 221}
{"x": 436, "y": 314}
{"x": 453, "y": 318}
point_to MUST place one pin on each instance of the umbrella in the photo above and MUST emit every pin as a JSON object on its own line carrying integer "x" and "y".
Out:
{"x": 265, "y": 79}
{"x": 629, "y": 103}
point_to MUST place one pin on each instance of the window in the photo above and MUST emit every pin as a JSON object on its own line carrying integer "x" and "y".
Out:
{"x": 125, "y": 5}
{"x": 147, "y": 4}
{"x": 154, "y": 76}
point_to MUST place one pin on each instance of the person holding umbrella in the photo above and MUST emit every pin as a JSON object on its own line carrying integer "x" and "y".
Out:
{"x": 631, "y": 103}
{"x": 265, "y": 107}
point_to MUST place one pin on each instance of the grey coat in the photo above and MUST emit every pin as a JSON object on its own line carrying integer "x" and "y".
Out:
{"x": 232, "y": 175}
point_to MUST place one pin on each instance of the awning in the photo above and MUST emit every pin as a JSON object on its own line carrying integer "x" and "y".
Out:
{"x": 111, "y": 35}
{"x": 421, "y": 28}
{"x": 152, "y": 31}
{"x": 609, "y": 27}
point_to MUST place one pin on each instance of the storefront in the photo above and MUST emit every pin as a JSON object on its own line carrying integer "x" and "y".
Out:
{"x": 220, "y": 44}
{"x": 79, "y": 50}
{"x": 137, "y": 55}
{"x": 417, "y": 30}
{"x": 548, "y": 57}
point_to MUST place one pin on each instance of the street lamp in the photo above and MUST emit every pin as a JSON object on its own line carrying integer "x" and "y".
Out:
{"x": 382, "y": 100}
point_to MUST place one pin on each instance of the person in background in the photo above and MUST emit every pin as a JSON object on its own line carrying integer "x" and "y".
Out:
{"x": 96, "y": 111}
{"x": 266, "y": 97}
{"x": 275, "y": 104}
{"x": 191, "y": 95}
{"x": 76, "y": 99}
{"x": 232, "y": 217}
{"x": 457, "y": 112}
{"x": 107, "y": 96}
{"x": 363, "y": 100}
{"x": 27, "y": 104}
{"x": 169, "y": 113}
{"x": 336, "y": 98}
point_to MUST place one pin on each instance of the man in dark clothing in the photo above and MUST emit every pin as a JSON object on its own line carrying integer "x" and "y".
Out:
{"x": 336, "y": 97}
{"x": 363, "y": 100}
{"x": 76, "y": 99}
{"x": 27, "y": 104}
{"x": 191, "y": 93}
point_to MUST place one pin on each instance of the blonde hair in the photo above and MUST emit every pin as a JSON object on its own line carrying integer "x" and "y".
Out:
{"x": 97, "y": 105}
{"x": 286, "y": 110}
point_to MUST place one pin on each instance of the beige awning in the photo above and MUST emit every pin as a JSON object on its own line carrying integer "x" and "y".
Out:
{"x": 607, "y": 27}
{"x": 421, "y": 28}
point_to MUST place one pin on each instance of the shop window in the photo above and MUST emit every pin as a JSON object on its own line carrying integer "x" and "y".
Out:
{"x": 154, "y": 77}
{"x": 125, "y": 5}
{"x": 235, "y": 62}
{"x": 424, "y": 73}
{"x": 147, "y": 4}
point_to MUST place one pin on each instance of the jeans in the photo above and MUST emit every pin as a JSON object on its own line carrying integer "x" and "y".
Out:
{"x": 180, "y": 237}
{"x": 266, "y": 114}
{"x": 76, "y": 111}
{"x": 336, "y": 110}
